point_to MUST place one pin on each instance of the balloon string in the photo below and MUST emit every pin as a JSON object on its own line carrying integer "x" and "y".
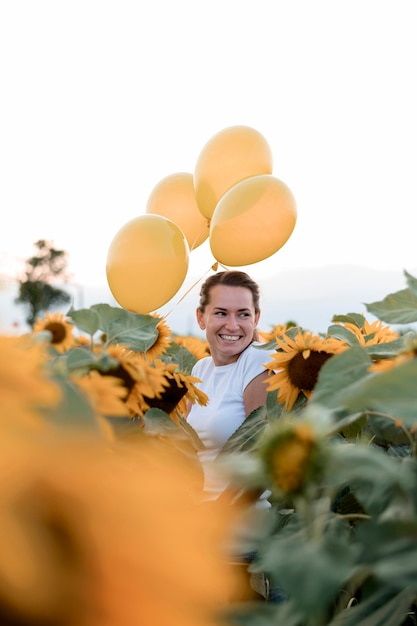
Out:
{"x": 213, "y": 267}
{"x": 205, "y": 224}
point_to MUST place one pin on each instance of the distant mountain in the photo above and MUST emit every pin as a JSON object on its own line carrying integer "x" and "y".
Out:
{"x": 310, "y": 297}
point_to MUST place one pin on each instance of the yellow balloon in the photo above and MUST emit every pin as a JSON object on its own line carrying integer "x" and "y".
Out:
{"x": 252, "y": 221}
{"x": 232, "y": 155}
{"x": 147, "y": 263}
{"x": 174, "y": 197}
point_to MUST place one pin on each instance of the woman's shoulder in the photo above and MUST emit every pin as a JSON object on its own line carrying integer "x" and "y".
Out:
{"x": 203, "y": 364}
{"x": 255, "y": 354}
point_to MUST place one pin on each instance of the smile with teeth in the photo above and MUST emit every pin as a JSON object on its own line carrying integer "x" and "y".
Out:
{"x": 230, "y": 337}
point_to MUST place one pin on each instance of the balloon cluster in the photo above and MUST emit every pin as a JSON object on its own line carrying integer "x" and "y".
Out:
{"x": 232, "y": 199}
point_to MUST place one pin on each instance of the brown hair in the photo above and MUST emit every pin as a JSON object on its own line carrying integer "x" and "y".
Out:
{"x": 231, "y": 278}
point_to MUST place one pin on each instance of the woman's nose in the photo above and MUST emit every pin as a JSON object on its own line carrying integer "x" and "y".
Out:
{"x": 232, "y": 322}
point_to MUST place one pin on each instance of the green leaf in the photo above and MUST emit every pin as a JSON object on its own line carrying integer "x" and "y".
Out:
{"x": 352, "y": 430}
{"x": 372, "y": 475}
{"x": 86, "y": 320}
{"x": 126, "y": 428}
{"x": 391, "y": 551}
{"x": 181, "y": 356}
{"x": 265, "y": 614}
{"x": 411, "y": 282}
{"x": 397, "y": 308}
{"x": 73, "y": 409}
{"x": 350, "y": 318}
{"x": 342, "y": 333}
{"x": 136, "y": 331}
{"x": 338, "y": 374}
{"x": 192, "y": 434}
{"x": 311, "y": 571}
{"x": 393, "y": 392}
{"x": 80, "y": 358}
{"x": 385, "y": 431}
{"x": 246, "y": 437}
{"x": 386, "y": 350}
{"x": 157, "y": 422}
{"x": 383, "y": 608}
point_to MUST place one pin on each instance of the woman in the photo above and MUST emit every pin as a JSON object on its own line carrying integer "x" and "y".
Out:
{"x": 233, "y": 377}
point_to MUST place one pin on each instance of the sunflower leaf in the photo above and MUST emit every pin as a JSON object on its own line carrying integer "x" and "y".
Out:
{"x": 396, "y": 308}
{"x": 411, "y": 282}
{"x": 245, "y": 438}
{"x": 382, "y": 608}
{"x": 338, "y": 374}
{"x": 389, "y": 393}
{"x": 192, "y": 434}
{"x": 73, "y": 409}
{"x": 342, "y": 333}
{"x": 350, "y": 318}
{"x": 296, "y": 559}
{"x": 86, "y": 320}
{"x": 385, "y": 350}
{"x": 181, "y": 356}
{"x": 134, "y": 330}
{"x": 78, "y": 358}
{"x": 157, "y": 422}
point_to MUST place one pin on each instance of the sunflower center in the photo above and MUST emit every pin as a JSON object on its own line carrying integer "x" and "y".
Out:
{"x": 57, "y": 331}
{"x": 303, "y": 373}
{"x": 122, "y": 374}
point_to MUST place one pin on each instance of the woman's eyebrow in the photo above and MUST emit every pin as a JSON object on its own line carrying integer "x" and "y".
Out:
{"x": 220, "y": 308}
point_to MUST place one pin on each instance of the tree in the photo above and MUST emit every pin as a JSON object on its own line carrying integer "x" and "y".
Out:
{"x": 36, "y": 290}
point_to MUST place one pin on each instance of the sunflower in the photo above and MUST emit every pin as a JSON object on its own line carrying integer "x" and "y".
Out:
{"x": 372, "y": 334}
{"x": 96, "y": 556}
{"x": 296, "y": 367}
{"x": 277, "y": 331}
{"x": 142, "y": 379}
{"x": 106, "y": 393}
{"x": 384, "y": 365}
{"x": 291, "y": 455}
{"x": 162, "y": 342}
{"x": 60, "y": 328}
{"x": 24, "y": 386}
{"x": 198, "y": 347}
{"x": 191, "y": 393}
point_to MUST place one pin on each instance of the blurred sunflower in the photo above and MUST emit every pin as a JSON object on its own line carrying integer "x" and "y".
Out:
{"x": 291, "y": 453}
{"x": 141, "y": 379}
{"x": 384, "y": 365}
{"x": 197, "y": 346}
{"x": 60, "y": 328}
{"x": 83, "y": 340}
{"x": 296, "y": 367}
{"x": 24, "y": 385}
{"x": 79, "y": 555}
{"x": 107, "y": 394}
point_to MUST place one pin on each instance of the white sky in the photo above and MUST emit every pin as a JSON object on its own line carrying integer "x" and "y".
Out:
{"x": 101, "y": 100}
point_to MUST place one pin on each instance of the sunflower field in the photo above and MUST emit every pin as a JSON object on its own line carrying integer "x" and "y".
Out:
{"x": 102, "y": 516}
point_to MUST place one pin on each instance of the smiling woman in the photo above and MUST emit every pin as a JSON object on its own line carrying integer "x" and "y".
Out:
{"x": 233, "y": 376}
{"x": 234, "y": 379}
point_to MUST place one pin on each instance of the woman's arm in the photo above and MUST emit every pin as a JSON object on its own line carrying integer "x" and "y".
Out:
{"x": 255, "y": 393}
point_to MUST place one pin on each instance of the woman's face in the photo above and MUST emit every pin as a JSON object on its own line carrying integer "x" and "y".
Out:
{"x": 229, "y": 321}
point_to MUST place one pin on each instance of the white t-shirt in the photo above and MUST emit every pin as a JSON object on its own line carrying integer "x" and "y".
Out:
{"x": 225, "y": 411}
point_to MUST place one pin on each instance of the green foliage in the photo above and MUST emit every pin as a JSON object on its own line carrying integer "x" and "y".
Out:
{"x": 347, "y": 554}
{"x": 36, "y": 291}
